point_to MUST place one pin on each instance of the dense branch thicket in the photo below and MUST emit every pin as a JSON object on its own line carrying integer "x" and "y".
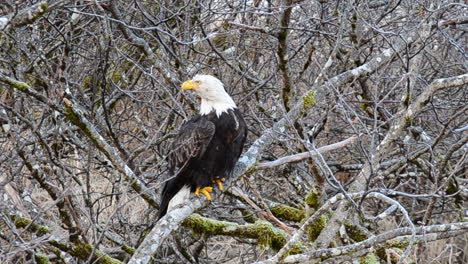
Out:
{"x": 90, "y": 99}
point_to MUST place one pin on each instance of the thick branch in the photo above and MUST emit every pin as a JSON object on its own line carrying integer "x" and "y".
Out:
{"x": 282, "y": 51}
{"x": 263, "y": 231}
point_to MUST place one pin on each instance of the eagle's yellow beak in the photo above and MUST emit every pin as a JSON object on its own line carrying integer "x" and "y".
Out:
{"x": 189, "y": 85}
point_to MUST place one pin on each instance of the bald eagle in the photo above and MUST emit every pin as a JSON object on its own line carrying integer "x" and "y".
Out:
{"x": 207, "y": 147}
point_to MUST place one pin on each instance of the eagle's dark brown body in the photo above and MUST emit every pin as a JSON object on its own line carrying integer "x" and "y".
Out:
{"x": 206, "y": 148}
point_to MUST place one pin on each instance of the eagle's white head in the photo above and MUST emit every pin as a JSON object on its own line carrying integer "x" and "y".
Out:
{"x": 212, "y": 94}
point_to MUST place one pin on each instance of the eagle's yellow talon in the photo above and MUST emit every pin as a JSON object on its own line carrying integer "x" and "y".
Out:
{"x": 205, "y": 191}
{"x": 220, "y": 183}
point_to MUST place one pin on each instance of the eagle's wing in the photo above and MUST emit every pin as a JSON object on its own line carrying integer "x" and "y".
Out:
{"x": 190, "y": 143}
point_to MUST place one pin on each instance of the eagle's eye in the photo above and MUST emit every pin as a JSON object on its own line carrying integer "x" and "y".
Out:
{"x": 197, "y": 82}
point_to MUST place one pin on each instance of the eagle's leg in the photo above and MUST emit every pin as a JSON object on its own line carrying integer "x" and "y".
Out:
{"x": 205, "y": 191}
{"x": 219, "y": 182}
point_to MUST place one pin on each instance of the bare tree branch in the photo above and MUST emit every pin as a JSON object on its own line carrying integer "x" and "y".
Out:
{"x": 306, "y": 155}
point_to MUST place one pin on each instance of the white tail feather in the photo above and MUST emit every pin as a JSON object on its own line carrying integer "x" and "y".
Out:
{"x": 182, "y": 196}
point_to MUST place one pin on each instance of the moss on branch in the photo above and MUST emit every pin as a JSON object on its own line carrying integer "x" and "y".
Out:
{"x": 313, "y": 199}
{"x": 357, "y": 235}
{"x": 23, "y": 222}
{"x": 316, "y": 228}
{"x": 41, "y": 258}
{"x": 249, "y": 216}
{"x": 84, "y": 251}
{"x": 369, "y": 259}
{"x": 287, "y": 212}
{"x": 41, "y": 10}
{"x": 75, "y": 119}
{"x": 309, "y": 100}
{"x": 354, "y": 233}
{"x": 264, "y": 232}
{"x": 14, "y": 83}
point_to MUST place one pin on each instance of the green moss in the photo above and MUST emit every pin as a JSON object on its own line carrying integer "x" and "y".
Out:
{"x": 364, "y": 106}
{"x": 44, "y": 6}
{"x": 115, "y": 76}
{"x": 461, "y": 213}
{"x": 398, "y": 243}
{"x": 381, "y": 253}
{"x": 267, "y": 237}
{"x": 200, "y": 225}
{"x": 22, "y": 222}
{"x": 249, "y": 217}
{"x": 84, "y": 251}
{"x": 41, "y": 258}
{"x": 451, "y": 188}
{"x": 354, "y": 233}
{"x": 309, "y": 99}
{"x": 40, "y": 11}
{"x": 312, "y": 199}
{"x": 316, "y": 228}
{"x": 17, "y": 84}
{"x": 128, "y": 250}
{"x": 369, "y": 259}
{"x": 287, "y": 212}
{"x": 275, "y": 239}
{"x": 58, "y": 253}
{"x": 74, "y": 119}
